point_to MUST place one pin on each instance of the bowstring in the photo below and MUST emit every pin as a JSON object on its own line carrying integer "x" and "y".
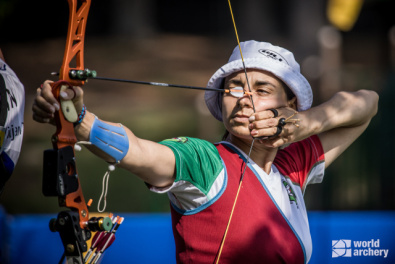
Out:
{"x": 252, "y": 143}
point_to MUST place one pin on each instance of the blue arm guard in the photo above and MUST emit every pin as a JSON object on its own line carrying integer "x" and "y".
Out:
{"x": 110, "y": 139}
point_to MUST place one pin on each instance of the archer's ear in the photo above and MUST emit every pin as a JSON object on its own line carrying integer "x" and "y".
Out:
{"x": 292, "y": 103}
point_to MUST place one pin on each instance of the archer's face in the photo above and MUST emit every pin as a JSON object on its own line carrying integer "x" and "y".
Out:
{"x": 268, "y": 92}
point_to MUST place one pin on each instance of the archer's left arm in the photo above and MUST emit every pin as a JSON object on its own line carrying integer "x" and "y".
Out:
{"x": 341, "y": 120}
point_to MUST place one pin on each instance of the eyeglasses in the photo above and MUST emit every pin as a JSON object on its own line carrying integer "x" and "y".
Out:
{"x": 237, "y": 92}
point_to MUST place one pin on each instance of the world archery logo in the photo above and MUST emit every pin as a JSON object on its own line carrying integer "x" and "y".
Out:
{"x": 349, "y": 248}
{"x": 341, "y": 248}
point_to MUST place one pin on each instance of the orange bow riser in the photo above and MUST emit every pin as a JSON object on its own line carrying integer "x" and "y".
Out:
{"x": 60, "y": 177}
{"x": 64, "y": 135}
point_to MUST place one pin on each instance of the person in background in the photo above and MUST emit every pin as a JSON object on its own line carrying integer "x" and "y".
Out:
{"x": 239, "y": 200}
{"x": 12, "y": 107}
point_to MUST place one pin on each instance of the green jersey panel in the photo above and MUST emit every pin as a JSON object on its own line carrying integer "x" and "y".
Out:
{"x": 197, "y": 161}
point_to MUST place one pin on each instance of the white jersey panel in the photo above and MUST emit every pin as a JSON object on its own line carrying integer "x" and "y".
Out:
{"x": 288, "y": 197}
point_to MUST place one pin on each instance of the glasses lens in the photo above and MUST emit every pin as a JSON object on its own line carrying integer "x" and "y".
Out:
{"x": 237, "y": 92}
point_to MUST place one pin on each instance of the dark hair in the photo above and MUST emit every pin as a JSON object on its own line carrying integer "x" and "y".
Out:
{"x": 288, "y": 91}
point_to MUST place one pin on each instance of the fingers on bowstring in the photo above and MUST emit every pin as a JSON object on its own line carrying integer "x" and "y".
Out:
{"x": 264, "y": 124}
{"x": 265, "y": 133}
{"x": 271, "y": 124}
{"x": 267, "y": 114}
{"x": 277, "y": 139}
{"x": 274, "y": 112}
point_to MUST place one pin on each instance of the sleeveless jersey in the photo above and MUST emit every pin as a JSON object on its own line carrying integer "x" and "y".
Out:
{"x": 269, "y": 223}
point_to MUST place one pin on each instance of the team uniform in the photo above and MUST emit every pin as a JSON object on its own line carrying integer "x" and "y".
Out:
{"x": 270, "y": 220}
{"x": 12, "y": 104}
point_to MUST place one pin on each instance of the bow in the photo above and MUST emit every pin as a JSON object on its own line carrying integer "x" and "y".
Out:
{"x": 252, "y": 143}
{"x": 60, "y": 177}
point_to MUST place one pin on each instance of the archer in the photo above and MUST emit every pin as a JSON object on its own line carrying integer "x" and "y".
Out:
{"x": 250, "y": 166}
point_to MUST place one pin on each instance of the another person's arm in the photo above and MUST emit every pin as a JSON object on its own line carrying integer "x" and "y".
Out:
{"x": 11, "y": 118}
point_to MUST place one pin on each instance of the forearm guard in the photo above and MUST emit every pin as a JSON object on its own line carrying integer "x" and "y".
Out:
{"x": 110, "y": 138}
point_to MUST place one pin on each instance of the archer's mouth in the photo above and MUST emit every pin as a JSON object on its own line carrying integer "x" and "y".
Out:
{"x": 241, "y": 118}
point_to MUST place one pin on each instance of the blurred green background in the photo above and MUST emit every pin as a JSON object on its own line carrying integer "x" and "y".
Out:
{"x": 185, "y": 42}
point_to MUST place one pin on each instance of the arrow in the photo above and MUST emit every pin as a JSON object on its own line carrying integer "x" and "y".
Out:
{"x": 109, "y": 239}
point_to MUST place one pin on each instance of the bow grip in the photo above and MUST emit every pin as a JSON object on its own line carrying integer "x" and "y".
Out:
{"x": 68, "y": 107}
{"x": 64, "y": 135}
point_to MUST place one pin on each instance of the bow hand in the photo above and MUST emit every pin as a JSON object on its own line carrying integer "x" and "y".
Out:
{"x": 46, "y": 104}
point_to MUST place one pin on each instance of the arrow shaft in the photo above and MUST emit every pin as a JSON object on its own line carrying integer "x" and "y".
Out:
{"x": 156, "y": 84}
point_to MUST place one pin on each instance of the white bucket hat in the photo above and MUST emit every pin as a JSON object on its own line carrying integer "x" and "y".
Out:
{"x": 263, "y": 56}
